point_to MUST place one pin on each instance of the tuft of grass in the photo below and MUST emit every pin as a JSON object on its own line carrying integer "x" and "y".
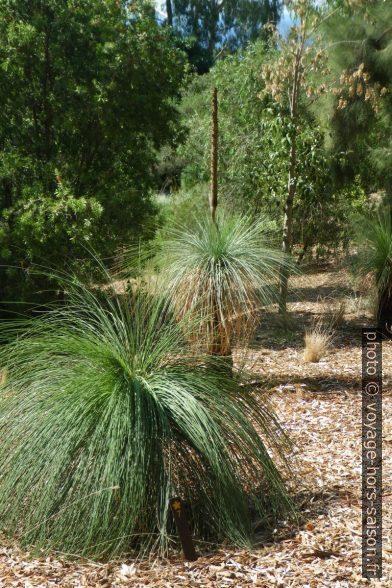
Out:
{"x": 318, "y": 340}
{"x": 319, "y": 336}
{"x": 106, "y": 414}
{"x": 222, "y": 277}
{"x": 316, "y": 345}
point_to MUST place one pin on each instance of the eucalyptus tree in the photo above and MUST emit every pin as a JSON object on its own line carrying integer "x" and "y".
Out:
{"x": 297, "y": 76}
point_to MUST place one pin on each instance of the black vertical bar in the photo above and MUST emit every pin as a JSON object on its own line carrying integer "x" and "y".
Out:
{"x": 371, "y": 453}
{"x": 180, "y": 519}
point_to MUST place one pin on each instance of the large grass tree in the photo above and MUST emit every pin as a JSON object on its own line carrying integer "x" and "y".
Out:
{"x": 106, "y": 413}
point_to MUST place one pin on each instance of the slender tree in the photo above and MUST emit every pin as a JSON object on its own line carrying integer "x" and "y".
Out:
{"x": 298, "y": 75}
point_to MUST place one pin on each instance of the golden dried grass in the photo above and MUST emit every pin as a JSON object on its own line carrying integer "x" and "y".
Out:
{"x": 317, "y": 343}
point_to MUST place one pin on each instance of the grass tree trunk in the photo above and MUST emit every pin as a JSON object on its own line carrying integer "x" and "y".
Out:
{"x": 219, "y": 341}
{"x": 214, "y": 156}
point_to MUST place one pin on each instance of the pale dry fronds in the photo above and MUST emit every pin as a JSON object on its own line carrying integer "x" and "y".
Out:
{"x": 3, "y": 377}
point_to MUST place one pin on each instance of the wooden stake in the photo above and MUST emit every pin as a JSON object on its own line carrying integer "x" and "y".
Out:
{"x": 180, "y": 519}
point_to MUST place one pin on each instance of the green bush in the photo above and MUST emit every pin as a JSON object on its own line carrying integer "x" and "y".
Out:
{"x": 89, "y": 96}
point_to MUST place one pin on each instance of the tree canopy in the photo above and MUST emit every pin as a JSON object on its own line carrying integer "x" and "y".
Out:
{"x": 214, "y": 26}
{"x": 361, "y": 36}
{"x": 88, "y": 95}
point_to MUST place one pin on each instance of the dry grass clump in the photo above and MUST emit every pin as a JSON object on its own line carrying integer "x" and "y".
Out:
{"x": 316, "y": 345}
{"x": 319, "y": 337}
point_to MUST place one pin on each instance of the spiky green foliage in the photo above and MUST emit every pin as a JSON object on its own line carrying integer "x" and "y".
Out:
{"x": 105, "y": 415}
{"x": 374, "y": 238}
{"x": 221, "y": 275}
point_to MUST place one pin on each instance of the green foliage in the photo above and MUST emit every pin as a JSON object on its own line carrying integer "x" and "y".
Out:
{"x": 105, "y": 414}
{"x": 88, "y": 93}
{"x": 251, "y": 168}
{"x": 358, "y": 133}
{"x": 184, "y": 208}
{"x": 324, "y": 213}
{"x": 254, "y": 140}
{"x": 374, "y": 240}
{"x": 69, "y": 218}
{"x": 220, "y": 276}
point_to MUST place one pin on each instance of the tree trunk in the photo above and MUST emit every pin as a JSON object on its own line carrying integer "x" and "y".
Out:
{"x": 169, "y": 12}
{"x": 219, "y": 345}
{"x": 292, "y": 175}
{"x": 288, "y": 225}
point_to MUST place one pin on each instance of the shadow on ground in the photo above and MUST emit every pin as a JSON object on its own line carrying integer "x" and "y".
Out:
{"x": 276, "y": 333}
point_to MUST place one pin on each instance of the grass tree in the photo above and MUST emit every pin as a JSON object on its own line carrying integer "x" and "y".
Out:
{"x": 105, "y": 414}
{"x": 221, "y": 270}
{"x": 220, "y": 278}
{"x": 374, "y": 239}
